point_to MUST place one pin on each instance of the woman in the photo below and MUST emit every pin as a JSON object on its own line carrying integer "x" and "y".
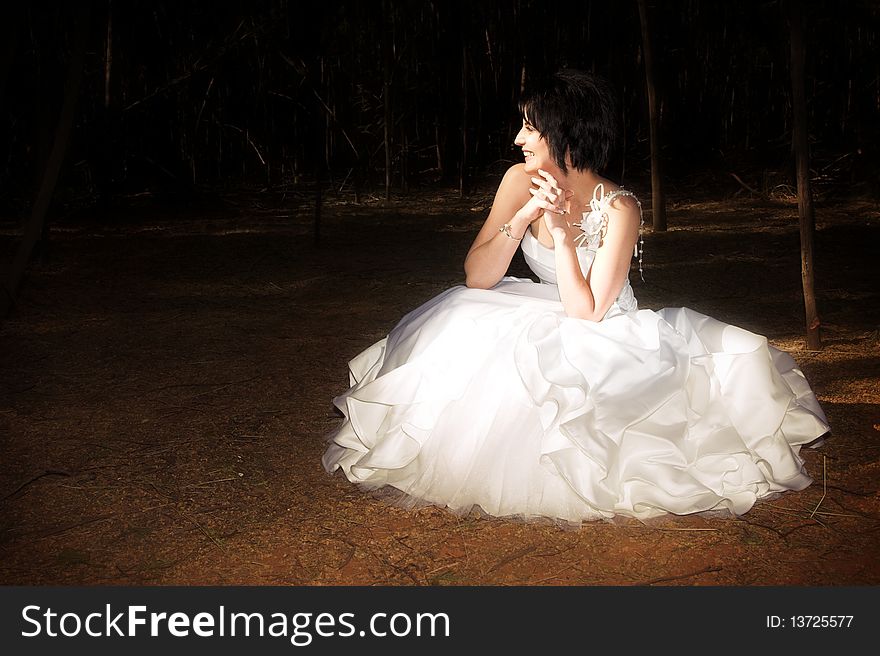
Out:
{"x": 562, "y": 399}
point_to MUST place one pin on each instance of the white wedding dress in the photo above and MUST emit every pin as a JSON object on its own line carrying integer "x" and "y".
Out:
{"x": 495, "y": 399}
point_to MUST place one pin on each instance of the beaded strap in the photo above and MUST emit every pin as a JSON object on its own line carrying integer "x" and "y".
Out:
{"x": 598, "y": 204}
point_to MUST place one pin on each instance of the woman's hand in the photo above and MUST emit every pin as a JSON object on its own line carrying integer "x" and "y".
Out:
{"x": 558, "y": 200}
{"x": 547, "y": 198}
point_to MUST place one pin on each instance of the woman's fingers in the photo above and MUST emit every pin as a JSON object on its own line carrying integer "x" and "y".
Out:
{"x": 548, "y": 177}
{"x": 569, "y": 194}
{"x": 546, "y": 205}
{"x": 547, "y": 195}
{"x": 545, "y": 184}
{"x": 551, "y": 187}
{"x": 548, "y": 200}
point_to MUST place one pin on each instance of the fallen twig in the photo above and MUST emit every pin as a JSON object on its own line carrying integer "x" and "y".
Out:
{"x": 40, "y": 535}
{"x": 218, "y": 480}
{"x": 347, "y": 559}
{"x": 508, "y": 559}
{"x": 824, "y": 488}
{"x": 48, "y": 472}
{"x": 705, "y": 570}
{"x": 744, "y": 185}
{"x": 203, "y": 530}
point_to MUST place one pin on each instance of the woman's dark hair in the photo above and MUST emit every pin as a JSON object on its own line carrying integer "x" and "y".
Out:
{"x": 575, "y": 113}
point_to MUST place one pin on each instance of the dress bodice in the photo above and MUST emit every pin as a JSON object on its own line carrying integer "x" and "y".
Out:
{"x": 542, "y": 260}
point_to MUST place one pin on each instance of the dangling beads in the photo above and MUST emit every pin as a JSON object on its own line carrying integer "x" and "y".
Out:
{"x": 641, "y": 245}
{"x": 641, "y": 252}
{"x": 596, "y": 204}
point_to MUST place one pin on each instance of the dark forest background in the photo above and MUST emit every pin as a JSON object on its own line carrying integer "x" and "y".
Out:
{"x": 272, "y": 93}
{"x": 176, "y": 308}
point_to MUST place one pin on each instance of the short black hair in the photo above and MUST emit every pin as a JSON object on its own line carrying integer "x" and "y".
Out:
{"x": 575, "y": 112}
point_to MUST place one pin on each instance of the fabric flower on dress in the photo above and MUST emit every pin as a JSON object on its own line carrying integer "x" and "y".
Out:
{"x": 592, "y": 221}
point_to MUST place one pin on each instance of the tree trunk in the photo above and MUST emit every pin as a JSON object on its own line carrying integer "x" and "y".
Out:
{"x": 317, "y": 214}
{"x": 108, "y": 55}
{"x": 34, "y": 227}
{"x": 800, "y": 148}
{"x": 462, "y": 167}
{"x": 104, "y": 165}
{"x": 658, "y": 200}
{"x": 11, "y": 30}
{"x": 386, "y": 93}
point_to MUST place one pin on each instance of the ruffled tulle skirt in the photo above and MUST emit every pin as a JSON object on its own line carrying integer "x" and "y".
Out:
{"x": 495, "y": 400}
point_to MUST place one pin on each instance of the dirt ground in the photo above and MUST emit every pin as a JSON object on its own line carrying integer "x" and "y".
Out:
{"x": 166, "y": 378}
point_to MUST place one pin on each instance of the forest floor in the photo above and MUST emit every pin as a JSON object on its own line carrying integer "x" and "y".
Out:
{"x": 167, "y": 374}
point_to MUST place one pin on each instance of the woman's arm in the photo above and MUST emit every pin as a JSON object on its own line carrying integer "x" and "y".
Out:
{"x": 591, "y": 298}
{"x": 490, "y": 254}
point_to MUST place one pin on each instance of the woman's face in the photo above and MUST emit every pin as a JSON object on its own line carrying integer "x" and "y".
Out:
{"x": 535, "y": 149}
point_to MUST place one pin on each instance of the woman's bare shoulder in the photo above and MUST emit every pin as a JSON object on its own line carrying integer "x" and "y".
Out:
{"x": 515, "y": 184}
{"x": 623, "y": 201}
{"x": 516, "y": 176}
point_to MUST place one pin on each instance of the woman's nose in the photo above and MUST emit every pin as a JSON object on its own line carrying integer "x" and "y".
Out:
{"x": 520, "y": 139}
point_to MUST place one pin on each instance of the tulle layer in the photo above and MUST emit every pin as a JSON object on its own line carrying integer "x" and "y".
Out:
{"x": 494, "y": 398}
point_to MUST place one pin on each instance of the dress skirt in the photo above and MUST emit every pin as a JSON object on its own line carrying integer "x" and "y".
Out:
{"x": 495, "y": 400}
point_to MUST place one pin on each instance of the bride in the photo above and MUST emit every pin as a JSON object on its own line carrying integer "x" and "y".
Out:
{"x": 561, "y": 398}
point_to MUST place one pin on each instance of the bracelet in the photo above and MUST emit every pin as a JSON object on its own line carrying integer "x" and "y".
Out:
{"x": 506, "y": 230}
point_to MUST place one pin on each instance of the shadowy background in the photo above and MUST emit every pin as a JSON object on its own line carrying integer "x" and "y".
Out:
{"x": 167, "y": 370}
{"x": 181, "y": 97}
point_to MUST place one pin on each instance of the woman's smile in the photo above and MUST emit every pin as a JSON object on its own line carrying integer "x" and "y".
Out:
{"x": 535, "y": 151}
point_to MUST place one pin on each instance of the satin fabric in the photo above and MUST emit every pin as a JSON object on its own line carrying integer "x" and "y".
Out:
{"x": 494, "y": 399}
